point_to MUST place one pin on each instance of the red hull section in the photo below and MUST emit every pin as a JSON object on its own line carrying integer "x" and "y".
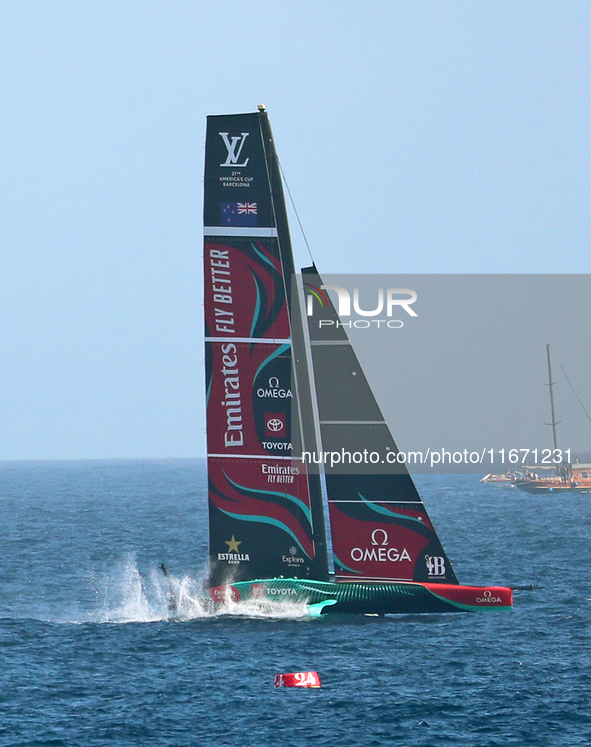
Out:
{"x": 473, "y": 596}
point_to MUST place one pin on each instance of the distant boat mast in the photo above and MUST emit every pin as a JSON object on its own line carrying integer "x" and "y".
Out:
{"x": 551, "y": 383}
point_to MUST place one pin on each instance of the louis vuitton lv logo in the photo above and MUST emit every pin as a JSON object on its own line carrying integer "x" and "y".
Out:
{"x": 234, "y": 147}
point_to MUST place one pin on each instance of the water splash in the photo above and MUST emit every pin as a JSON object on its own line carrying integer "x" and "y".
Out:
{"x": 126, "y": 595}
{"x": 276, "y": 610}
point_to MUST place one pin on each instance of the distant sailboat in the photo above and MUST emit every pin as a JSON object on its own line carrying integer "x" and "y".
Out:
{"x": 568, "y": 477}
{"x": 277, "y": 388}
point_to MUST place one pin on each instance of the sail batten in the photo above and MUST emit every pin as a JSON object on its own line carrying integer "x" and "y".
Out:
{"x": 352, "y": 422}
{"x": 251, "y": 340}
{"x": 250, "y": 456}
{"x": 243, "y": 232}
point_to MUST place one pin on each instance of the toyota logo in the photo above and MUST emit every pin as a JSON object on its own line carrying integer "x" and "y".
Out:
{"x": 275, "y": 425}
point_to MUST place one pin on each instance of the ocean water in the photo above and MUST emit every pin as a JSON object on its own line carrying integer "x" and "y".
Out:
{"x": 89, "y": 656}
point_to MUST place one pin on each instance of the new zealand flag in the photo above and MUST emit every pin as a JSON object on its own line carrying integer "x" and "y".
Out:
{"x": 238, "y": 214}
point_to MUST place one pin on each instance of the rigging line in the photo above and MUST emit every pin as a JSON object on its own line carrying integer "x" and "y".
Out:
{"x": 571, "y": 386}
{"x": 266, "y": 156}
{"x": 533, "y": 402}
{"x": 510, "y": 424}
{"x": 295, "y": 210}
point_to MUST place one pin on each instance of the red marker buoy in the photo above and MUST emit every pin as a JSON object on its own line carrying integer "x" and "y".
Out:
{"x": 297, "y": 679}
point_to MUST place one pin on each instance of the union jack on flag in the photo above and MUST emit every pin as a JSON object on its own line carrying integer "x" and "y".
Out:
{"x": 247, "y": 208}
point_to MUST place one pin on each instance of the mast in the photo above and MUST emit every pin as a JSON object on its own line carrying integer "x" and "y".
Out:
{"x": 551, "y": 383}
{"x": 302, "y": 407}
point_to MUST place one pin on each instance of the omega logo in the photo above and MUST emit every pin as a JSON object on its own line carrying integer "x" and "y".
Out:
{"x": 380, "y": 551}
{"x": 488, "y": 598}
{"x": 274, "y": 390}
{"x": 384, "y": 537}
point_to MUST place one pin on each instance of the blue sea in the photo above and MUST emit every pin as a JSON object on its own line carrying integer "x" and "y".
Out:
{"x": 89, "y": 655}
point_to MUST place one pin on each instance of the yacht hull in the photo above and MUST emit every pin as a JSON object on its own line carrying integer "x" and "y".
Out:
{"x": 367, "y": 598}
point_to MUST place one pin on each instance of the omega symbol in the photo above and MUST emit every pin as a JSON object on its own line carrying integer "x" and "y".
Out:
{"x": 384, "y": 534}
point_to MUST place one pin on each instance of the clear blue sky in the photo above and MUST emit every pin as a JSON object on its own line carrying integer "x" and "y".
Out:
{"x": 424, "y": 136}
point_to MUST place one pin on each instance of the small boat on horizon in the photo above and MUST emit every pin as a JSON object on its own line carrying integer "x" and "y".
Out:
{"x": 565, "y": 476}
{"x": 508, "y": 478}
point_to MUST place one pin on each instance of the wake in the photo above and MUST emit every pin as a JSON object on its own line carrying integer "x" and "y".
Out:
{"x": 125, "y": 595}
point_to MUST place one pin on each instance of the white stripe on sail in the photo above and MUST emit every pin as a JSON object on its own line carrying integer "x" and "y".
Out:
{"x": 255, "y": 456}
{"x": 239, "y": 231}
{"x": 268, "y": 340}
{"x": 352, "y": 422}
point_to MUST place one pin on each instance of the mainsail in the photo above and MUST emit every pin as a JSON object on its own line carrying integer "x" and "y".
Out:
{"x": 263, "y": 521}
{"x": 380, "y": 527}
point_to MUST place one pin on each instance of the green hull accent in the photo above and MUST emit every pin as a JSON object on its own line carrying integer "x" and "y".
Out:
{"x": 315, "y": 610}
{"x": 358, "y": 598}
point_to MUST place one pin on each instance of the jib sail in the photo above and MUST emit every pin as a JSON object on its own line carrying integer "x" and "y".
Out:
{"x": 380, "y": 528}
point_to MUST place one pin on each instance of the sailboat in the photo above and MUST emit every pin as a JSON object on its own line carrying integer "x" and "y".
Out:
{"x": 566, "y": 477}
{"x": 278, "y": 388}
